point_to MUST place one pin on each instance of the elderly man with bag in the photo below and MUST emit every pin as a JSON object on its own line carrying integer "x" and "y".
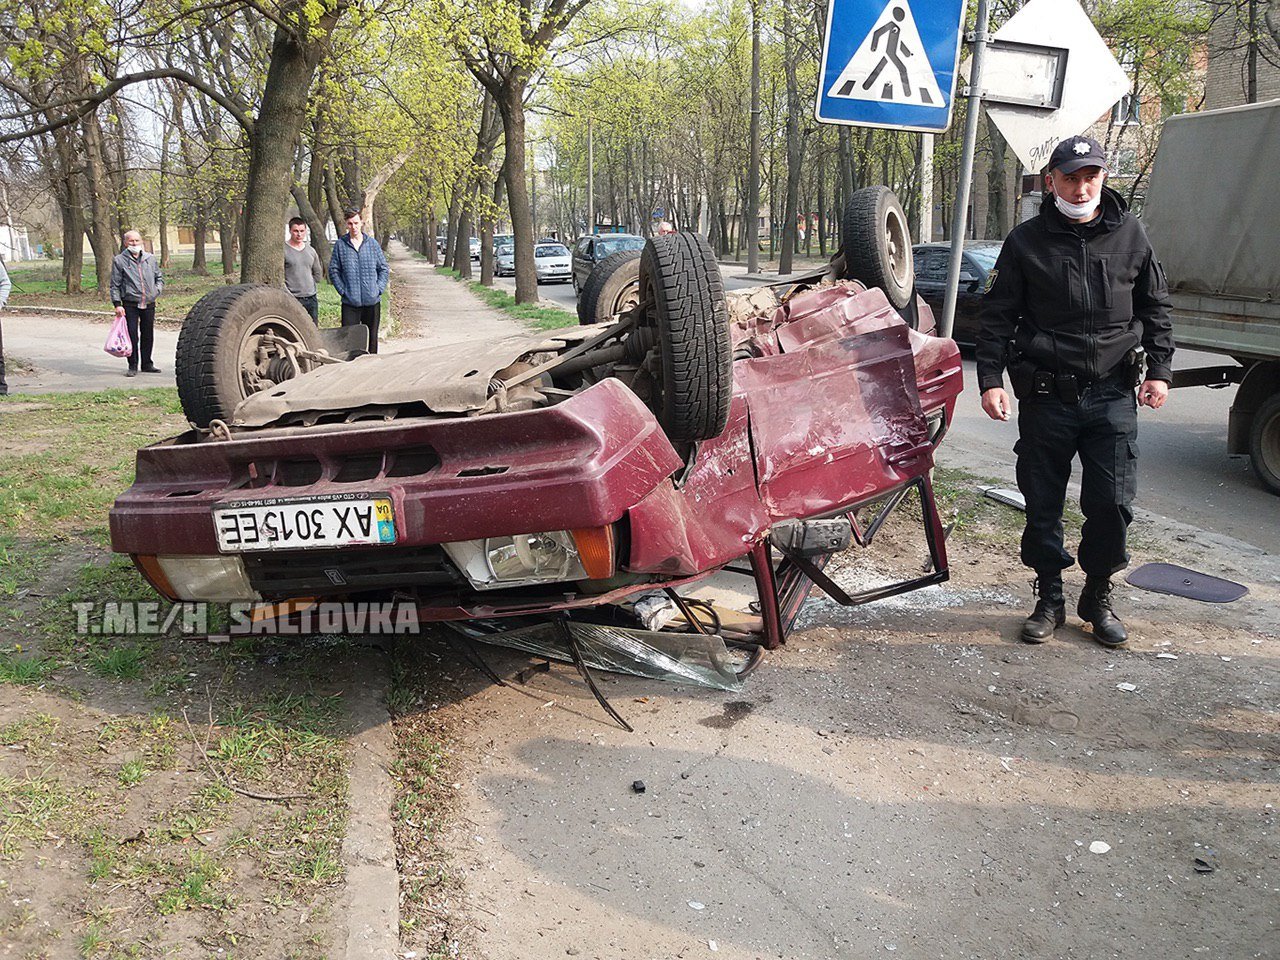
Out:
{"x": 136, "y": 284}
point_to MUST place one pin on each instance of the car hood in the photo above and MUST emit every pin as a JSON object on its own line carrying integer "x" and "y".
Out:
{"x": 451, "y": 378}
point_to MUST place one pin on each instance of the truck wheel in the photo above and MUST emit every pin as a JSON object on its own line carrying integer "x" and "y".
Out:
{"x": 221, "y": 356}
{"x": 1264, "y": 443}
{"x": 612, "y": 286}
{"x": 690, "y": 321}
{"x": 877, "y": 243}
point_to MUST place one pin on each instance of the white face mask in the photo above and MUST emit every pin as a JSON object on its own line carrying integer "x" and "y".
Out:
{"x": 1077, "y": 211}
{"x": 134, "y": 248}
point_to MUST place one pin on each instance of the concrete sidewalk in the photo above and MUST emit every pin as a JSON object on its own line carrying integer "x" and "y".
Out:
{"x": 52, "y": 353}
{"x": 58, "y": 354}
{"x": 434, "y": 308}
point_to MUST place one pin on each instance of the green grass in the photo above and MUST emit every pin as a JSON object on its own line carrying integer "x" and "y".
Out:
{"x": 33, "y": 732}
{"x": 119, "y": 663}
{"x": 64, "y": 459}
{"x": 194, "y": 887}
{"x": 30, "y": 806}
{"x": 132, "y": 773}
{"x": 20, "y": 669}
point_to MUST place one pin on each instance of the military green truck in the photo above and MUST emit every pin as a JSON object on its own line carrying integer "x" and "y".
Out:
{"x": 1213, "y": 214}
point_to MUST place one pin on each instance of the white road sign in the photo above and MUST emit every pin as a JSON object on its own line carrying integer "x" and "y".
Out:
{"x": 1094, "y": 80}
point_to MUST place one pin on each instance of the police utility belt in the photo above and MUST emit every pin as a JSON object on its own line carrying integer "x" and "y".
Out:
{"x": 1029, "y": 380}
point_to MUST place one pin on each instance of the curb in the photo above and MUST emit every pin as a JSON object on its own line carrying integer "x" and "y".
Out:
{"x": 372, "y": 899}
{"x": 106, "y": 316}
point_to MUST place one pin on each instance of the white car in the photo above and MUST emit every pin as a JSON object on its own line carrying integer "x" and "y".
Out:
{"x": 475, "y": 248}
{"x": 552, "y": 264}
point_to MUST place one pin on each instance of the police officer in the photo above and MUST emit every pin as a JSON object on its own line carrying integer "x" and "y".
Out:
{"x": 1075, "y": 300}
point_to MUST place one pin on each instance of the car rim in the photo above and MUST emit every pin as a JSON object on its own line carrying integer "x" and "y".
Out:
{"x": 627, "y": 298}
{"x": 897, "y": 246}
{"x": 265, "y": 365}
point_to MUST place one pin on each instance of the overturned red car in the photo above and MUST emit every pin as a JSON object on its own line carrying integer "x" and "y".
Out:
{"x": 555, "y": 474}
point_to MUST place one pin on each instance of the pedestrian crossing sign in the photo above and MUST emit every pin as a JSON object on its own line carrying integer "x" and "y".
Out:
{"x": 890, "y": 63}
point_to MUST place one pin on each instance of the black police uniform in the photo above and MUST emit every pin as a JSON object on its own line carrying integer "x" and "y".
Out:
{"x": 1066, "y": 306}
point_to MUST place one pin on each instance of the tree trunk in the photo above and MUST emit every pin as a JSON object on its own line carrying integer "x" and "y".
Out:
{"x": 199, "y": 257}
{"x": 379, "y": 180}
{"x": 71, "y": 205}
{"x": 331, "y": 195}
{"x": 100, "y": 238}
{"x": 486, "y": 233}
{"x": 163, "y": 191}
{"x": 511, "y": 106}
{"x": 227, "y": 239}
{"x": 752, "y": 203}
{"x": 795, "y": 149}
{"x": 997, "y": 225}
{"x": 275, "y": 133}
{"x": 308, "y": 213}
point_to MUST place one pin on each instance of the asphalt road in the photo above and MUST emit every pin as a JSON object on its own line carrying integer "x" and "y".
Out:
{"x": 1184, "y": 472}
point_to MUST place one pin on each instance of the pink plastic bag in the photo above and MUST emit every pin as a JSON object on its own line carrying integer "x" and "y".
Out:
{"x": 118, "y": 343}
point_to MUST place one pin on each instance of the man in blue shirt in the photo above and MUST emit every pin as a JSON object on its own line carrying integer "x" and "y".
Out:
{"x": 358, "y": 271}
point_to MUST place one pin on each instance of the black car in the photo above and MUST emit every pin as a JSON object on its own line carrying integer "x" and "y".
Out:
{"x": 931, "y": 261}
{"x": 593, "y": 248}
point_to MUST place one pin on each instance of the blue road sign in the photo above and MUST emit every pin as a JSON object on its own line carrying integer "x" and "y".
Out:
{"x": 890, "y": 63}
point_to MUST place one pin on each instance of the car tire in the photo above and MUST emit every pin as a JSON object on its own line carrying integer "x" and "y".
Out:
{"x": 613, "y": 285}
{"x": 681, "y": 280}
{"x": 215, "y": 366}
{"x": 877, "y": 244}
{"x": 1264, "y": 443}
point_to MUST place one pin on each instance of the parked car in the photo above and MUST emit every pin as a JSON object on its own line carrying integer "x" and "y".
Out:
{"x": 475, "y": 248}
{"x": 931, "y": 261}
{"x": 592, "y": 249}
{"x": 552, "y": 263}
{"x": 560, "y": 473}
{"x": 504, "y": 258}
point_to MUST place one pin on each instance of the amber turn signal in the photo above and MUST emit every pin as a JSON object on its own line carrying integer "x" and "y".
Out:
{"x": 151, "y": 569}
{"x": 595, "y": 551}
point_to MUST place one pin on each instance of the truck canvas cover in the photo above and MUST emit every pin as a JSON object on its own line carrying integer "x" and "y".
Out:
{"x": 1213, "y": 208}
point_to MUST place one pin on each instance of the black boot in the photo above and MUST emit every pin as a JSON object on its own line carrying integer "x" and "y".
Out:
{"x": 1050, "y": 612}
{"x": 1095, "y": 608}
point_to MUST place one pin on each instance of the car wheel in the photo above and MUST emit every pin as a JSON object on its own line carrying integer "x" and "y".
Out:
{"x": 689, "y": 318}
{"x": 877, "y": 243}
{"x": 222, "y": 357}
{"x": 1264, "y": 443}
{"x": 612, "y": 286}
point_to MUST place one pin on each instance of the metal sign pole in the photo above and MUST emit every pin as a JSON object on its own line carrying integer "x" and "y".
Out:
{"x": 960, "y": 216}
{"x": 926, "y": 187}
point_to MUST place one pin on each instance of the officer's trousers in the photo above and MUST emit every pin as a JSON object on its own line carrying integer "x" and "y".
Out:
{"x": 1103, "y": 429}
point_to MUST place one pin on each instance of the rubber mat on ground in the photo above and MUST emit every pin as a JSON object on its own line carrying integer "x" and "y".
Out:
{"x": 1181, "y": 582}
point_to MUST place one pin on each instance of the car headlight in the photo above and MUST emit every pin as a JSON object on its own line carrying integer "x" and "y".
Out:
{"x": 530, "y": 558}
{"x": 202, "y": 578}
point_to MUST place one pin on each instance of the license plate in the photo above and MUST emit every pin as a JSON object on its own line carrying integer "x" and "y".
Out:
{"x": 304, "y": 523}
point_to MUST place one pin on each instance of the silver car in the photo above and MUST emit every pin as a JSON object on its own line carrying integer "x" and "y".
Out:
{"x": 552, "y": 264}
{"x": 504, "y": 258}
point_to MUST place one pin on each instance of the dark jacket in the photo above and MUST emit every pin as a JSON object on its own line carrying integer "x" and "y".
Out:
{"x": 136, "y": 279}
{"x": 361, "y": 275}
{"x": 1075, "y": 303}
